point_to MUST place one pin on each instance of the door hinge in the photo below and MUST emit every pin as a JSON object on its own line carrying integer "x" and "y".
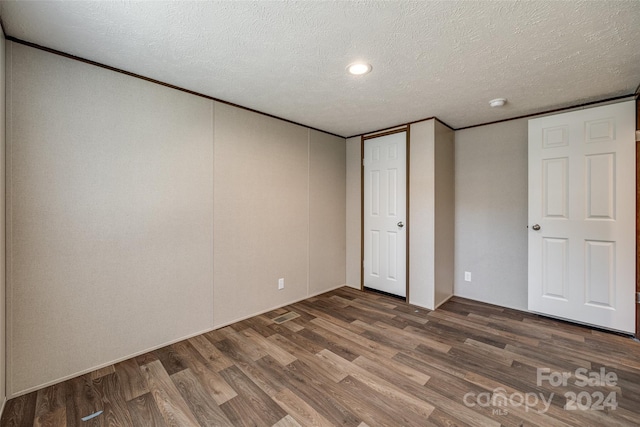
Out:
{"x": 637, "y": 135}
{"x": 638, "y": 297}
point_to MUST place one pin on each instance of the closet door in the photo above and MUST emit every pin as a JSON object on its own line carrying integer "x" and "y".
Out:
{"x": 385, "y": 212}
{"x": 582, "y": 216}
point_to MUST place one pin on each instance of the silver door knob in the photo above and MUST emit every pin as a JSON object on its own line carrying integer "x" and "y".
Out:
{"x": 400, "y": 224}
{"x": 536, "y": 227}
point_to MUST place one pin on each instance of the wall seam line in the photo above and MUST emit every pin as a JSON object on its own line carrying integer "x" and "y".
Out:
{"x": 213, "y": 213}
{"x": 8, "y": 379}
{"x": 308, "y": 211}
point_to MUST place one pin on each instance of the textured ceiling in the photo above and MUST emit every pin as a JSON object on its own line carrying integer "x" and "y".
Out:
{"x": 445, "y": 59}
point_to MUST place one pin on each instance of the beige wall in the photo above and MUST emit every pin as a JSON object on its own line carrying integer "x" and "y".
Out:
{"x": 327, "y": 220}
{"x": 481, "y": 194}
{"x": 110, "y": 194}
{"x": 491, "y": 202}
{"x": 486, "y": 208}
{"x": 279, "y": 213}
{"x": 431, "y": 195}
{"x": 444, "y": 226}
{"x": 141, "y": 215}
{"x": 2, "y": 222}
{"x": 353, "y": 212}
{"x": 261, "y": 213}
{"x": 431, "y": 211}
{"x": 422, "y": 214}
{"x": 491, "y": 213}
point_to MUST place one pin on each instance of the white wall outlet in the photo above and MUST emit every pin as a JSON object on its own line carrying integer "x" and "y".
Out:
{"x": 467, "y": 276}
{"x": 280, "y": 283}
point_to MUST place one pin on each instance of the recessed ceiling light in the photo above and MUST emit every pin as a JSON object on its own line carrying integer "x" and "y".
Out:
{"x": 359, "y": 68}
{"x": 498, "y": 102}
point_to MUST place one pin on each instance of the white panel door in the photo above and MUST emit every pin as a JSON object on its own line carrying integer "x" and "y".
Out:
{"x": 385, "y": 205}
{"x": 582, "y": 216}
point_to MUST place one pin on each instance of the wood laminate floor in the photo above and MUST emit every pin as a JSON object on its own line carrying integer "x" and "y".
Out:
{"x": 360, "y": 359}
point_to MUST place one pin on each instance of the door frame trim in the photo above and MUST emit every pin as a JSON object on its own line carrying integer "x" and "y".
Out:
{"x": 363, "y": 138}
{"x": 637, "y": 215}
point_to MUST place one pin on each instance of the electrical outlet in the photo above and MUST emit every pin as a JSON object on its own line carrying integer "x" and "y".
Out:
{"x": 467, "y": 276}
{"x": 280, "y": 283}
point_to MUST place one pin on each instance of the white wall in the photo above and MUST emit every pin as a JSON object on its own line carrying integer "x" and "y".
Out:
{"x": 491, "y": 213}
{"x": 140, "y": 215}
